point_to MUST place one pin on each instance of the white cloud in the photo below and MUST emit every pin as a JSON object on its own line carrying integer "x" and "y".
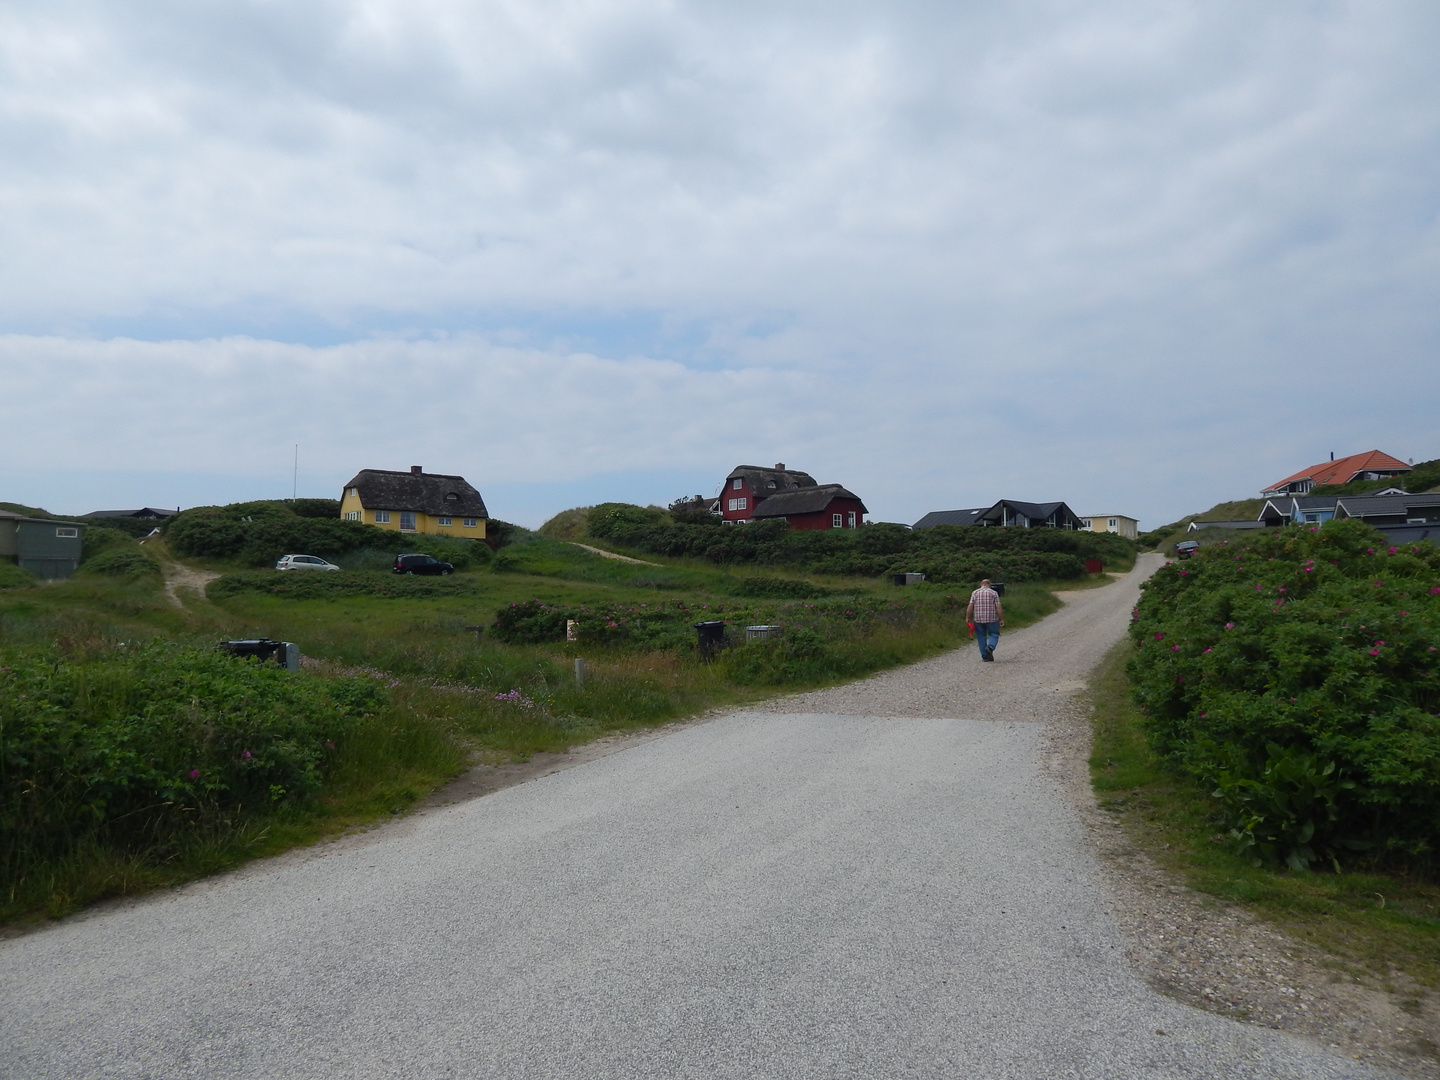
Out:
{"x": 1138, "y": 254}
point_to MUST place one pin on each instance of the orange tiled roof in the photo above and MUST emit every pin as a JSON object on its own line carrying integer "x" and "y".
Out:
{"x": 1340, "y": 471}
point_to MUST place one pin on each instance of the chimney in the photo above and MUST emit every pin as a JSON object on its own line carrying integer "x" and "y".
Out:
{"x": 417, "y": 470}
{"x": 1332, "y": 455}
{"x": 779, "y": 466}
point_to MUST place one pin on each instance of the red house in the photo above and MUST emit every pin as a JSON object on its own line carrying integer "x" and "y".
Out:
{"x": 752, "y": 493}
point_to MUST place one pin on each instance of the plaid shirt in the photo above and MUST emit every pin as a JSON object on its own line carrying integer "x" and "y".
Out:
{"x": 987, "y": 605}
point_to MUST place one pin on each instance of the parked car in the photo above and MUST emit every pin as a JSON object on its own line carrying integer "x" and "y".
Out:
{"x": 304, "y": 562}
{"x": 421, "y": 564}
{"x": 1185, "y": 548}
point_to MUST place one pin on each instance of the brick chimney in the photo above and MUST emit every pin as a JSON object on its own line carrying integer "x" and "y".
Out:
{"x": 416, "y": 469}
{"x": 779, "y": 466}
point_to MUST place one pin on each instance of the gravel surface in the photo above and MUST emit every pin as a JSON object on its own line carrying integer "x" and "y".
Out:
{"x": 883, "y": 880}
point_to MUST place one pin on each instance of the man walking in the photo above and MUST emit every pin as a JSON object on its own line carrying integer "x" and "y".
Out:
{"x": 985, "y": 612}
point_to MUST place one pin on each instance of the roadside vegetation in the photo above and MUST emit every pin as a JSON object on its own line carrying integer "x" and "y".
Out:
{"x": 1272, "y": 731}
{"x": 133, "y": 754}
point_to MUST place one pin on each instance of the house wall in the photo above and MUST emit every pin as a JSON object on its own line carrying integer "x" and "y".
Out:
{"x": 1124, "y": 526}
{"x": 42, "y": 551}
{"x": 425, "y": 524}
{"x": 729, "y": 494}
{"x": 825, "y": 519}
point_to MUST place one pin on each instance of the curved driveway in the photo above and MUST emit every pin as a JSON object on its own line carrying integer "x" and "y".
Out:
{"x": 876, "y": 881}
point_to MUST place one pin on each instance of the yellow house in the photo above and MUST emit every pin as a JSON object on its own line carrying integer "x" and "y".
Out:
{"x": 433, "y": 504}
{"x": 1127, "y": 527}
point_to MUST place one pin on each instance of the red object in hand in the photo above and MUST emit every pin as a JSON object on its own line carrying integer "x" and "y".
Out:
{"x": 971, "y": 625}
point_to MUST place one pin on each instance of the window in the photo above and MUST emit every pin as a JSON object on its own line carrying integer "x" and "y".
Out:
{"x": 444, "y": 521}
{"x": 71, "y": 533}
{"x": 1112, "y": 523}
{"x": 1085, "y": 523}
{"x": 737, "y": 483}
{"x": 353, "y": 515}
{"x": 470, "y": 523}
{"x": 407, "y": 520}
{"x": 452, "y": 497}
{"x": 350, "y": 491}
{"x": 382, "y": 517}
{"x": 739, "y": 504}
{"x": 852, "y": 519}
{"x": 837, "y": 521}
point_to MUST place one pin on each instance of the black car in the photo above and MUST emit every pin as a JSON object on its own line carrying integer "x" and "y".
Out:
{"x": 1185, "y": 548}
{"x": 420, "y": 564}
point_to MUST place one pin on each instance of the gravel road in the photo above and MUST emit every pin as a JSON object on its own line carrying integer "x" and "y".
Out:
{"x": 877, "y": 881}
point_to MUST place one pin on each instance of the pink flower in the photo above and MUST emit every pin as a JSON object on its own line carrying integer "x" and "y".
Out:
{"x": 1174, "y": 648}
{"x": 1207, "y": 650}
{"x": 1160, "y": 637}
{"x": 1392, "y": 551}
{"x": 245, "y": 755}
{"x": 194, "y": 774}
{"x": 1229, "y": 626}
{"x": 1374, "y": 652}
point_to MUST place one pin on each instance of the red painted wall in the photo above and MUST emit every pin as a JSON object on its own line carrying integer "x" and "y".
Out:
{"x": 825, "y": 518}
{"x": 728, "y": 493}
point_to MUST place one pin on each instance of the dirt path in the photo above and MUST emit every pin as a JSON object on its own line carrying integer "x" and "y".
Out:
{"x": 611, "y": 555}
{"x": 184, "y": 577}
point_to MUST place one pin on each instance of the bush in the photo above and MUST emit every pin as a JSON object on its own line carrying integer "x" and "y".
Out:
{"x": 320, "y": 585}
{"x": 100, "y": 538}
{"x": 126, "y": 747}
{"x": 14, "y": 577}
{"x": 780, "y": 588}
{"x": 127, "y": 562}
{"x": 257, "y": 534}
{"x": 959, "y": 554}
{"x": 1297, "y": 671}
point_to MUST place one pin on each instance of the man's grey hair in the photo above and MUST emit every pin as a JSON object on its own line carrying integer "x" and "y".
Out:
{"x": 985, "y": 581}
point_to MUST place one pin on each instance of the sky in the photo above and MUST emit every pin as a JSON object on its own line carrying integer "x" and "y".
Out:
{"x": 1139, "y": 256}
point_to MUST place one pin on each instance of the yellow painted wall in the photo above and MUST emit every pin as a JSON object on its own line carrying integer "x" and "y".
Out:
{"x": 1125, "y": 526}
{"x": 424, "y": 523}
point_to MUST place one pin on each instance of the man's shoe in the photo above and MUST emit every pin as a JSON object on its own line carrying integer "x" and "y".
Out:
{"x": 989, "y": 654}
{"x": 987, "y": 657}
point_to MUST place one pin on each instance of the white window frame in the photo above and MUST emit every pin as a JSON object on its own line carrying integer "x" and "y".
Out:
{"x": 67, "y": 534}
{"x": 443, "y": 521}
{"x": 353, "y": 515}
{"x": 1113, "y": 523}
{"x": 382, "y": 517}
{"x": 736, "y": 484}
{"x": 837, "y": 521}
{"x": 851, "y": 522}
{"x": 470, "y": 523}
{"x": 410, "y": 516}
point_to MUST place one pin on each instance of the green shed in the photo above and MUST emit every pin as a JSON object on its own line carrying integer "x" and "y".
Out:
{"x": 48, "y": 548}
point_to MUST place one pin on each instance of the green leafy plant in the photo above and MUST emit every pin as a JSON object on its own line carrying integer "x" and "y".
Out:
{"x": 1321, "y": 642}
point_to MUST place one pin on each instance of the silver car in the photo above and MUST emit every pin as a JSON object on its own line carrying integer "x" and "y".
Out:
{"x": 304, "y": 562}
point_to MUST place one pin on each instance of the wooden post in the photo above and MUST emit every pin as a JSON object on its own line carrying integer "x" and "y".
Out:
{"x": 580, "y": 673}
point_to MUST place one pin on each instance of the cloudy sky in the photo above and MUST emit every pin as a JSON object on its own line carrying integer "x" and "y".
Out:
{"x": 1140, "y": 255}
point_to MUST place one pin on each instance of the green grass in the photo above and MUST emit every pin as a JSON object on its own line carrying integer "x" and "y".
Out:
{"x": 1369, "y": 922}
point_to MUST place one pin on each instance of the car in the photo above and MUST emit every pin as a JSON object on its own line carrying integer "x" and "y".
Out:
{"x": 421, "y": 564}
{"x": 304, "y": 562}
{"x": 1185, "y": 548}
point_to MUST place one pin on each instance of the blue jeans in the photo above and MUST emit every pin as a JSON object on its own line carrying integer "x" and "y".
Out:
{"x": 987, "y": 636}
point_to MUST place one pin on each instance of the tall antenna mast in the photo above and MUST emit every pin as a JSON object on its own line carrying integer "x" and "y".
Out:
{"x": 295, "y": 476}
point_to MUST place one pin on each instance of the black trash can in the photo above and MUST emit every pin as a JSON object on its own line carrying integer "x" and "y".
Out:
{"x": 711, "y": 637}
{"x": 999, "y": 587}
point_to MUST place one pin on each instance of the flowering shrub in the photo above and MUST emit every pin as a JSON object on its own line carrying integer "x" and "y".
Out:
{"x": 1297, "y": 671}
{"x": 125, "y": 744}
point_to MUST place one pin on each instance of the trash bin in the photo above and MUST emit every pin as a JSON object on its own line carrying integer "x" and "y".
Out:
{"x": 284, "y": 653}
{"x": 711, "y": 637}
{"x": 908, "y": 579}
{"x": 762, "y": 633}
{"x": 999, "y": 587}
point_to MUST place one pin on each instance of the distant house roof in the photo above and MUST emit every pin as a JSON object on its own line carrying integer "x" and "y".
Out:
{"x": 1411, "y": 534}
{"x": 1004, "y": 510}
{"x": 949, "y": 517}
{"x": 426, "y": 493}
{"x": 807, "y": 500}
{"x": 765, "y": 482}
{"x": 143, "y": 513}
{"x": 1341, "y": 471}
{"x": 1196, "y": 526}
{"x": 1367, "y": 506}
{"x": 6, "y": 515}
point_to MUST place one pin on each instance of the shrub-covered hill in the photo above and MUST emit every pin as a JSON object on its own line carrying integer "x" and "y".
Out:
{"x": 949, "y": 554}
{"x": 1297, "y": 672}
{"x": 258, "y": 533}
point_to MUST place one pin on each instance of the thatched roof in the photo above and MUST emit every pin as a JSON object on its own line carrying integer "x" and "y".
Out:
{"x": 807, "y": 500}
{"x": 426, "y": 493}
